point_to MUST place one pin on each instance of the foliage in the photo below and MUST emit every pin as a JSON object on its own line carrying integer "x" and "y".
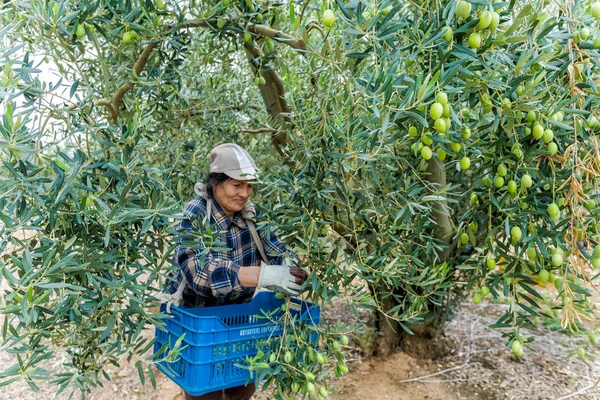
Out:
{"x": 427, "y": 149}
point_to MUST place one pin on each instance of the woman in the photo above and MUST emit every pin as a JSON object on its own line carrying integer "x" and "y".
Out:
{"x": 218, "y": 256}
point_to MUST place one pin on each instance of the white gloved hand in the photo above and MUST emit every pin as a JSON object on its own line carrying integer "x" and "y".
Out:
{"x": 278, "y": 279}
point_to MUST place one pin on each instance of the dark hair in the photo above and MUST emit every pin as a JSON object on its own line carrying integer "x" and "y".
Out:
{"x": 214, "y": 178}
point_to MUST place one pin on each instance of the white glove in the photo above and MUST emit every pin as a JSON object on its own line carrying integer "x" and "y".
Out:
{"x": 278, "y": 279}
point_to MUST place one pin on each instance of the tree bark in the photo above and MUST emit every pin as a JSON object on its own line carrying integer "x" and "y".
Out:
{"x": 388, "y": 332}
{"x": 273, "y": 95}
{"x": 113, "y": 104}
{"x": 390, "y": 336}
{"x": 437, "y": 179}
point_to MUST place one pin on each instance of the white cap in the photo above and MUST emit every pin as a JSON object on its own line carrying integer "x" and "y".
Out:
{"x": 233, "y": 161}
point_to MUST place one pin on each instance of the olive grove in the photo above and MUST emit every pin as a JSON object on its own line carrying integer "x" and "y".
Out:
{"x": 413, "y": 154}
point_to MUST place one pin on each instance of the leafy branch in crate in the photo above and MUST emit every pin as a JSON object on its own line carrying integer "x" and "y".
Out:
{"x": 301, "y": 359}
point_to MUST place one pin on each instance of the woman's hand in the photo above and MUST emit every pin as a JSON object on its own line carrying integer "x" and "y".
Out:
{"x": 278, "y": 278}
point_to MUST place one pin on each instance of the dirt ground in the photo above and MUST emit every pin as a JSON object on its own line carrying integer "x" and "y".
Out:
{"x": 477, "y": 366}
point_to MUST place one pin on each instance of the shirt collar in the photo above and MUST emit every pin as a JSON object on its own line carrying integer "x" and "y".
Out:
{"x": 222, "y": 221}
{"x": 239, "y": 221}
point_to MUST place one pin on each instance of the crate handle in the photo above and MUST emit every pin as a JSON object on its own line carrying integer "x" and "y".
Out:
{"x": 176, "y": 315}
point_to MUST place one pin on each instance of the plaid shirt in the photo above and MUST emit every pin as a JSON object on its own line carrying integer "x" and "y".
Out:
{"x": 211, "y": 258}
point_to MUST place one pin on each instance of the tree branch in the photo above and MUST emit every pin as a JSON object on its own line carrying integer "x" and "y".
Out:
{"x": 115, "y": 102}
{"x": 193, "y": 113}
{"x": 272, "y": 93}
{"x": 199, "y": 23}
{"x": 259, "y": 130}
{"x": 279, "y": 36}
{"x": 113, "y": 112}
{"x": 117, "y": 98}
{"x": 267, "y": 70}
{"x": 257, "y": 29}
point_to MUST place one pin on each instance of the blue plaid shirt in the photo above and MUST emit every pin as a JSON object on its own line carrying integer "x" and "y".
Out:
{"x": 211, "y": 256}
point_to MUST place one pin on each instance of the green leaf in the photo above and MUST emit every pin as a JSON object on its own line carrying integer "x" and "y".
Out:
{"x": 108, "y": 330}
{"x": 292, "y": 14}
{"x": 140, "y": 369}
{"x": 343, "y": 9}
{"x": 151, "y": 376}
{"x": 74, "y": 88}
{"x": 32, "y": 385}
{"x": 48, "y": 285}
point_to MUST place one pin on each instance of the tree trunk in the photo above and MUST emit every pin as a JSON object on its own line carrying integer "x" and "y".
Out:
{"x": 437, "y": 179}
{"x": 387, "y": 331}
{"x": 388, "y": 334}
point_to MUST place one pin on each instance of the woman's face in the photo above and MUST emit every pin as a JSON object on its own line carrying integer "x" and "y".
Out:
{"x": 232, "y": 195}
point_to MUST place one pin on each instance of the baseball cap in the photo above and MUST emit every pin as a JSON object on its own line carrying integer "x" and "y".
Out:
{"x": 233, "y": 161}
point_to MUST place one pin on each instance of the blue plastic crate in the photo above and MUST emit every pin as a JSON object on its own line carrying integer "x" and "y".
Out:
{"x": 217, "y": 338}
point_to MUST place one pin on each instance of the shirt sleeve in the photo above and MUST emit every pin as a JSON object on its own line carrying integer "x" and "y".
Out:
{"x": 206, "y": 270}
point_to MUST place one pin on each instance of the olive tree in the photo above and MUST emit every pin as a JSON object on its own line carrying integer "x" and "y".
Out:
{"x": 412, "y": 153}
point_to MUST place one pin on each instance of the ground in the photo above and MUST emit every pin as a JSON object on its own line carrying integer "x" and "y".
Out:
{"x": 477, "y": 365}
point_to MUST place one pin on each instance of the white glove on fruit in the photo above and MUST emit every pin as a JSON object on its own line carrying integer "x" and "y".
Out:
{"x": 278, "y": 279}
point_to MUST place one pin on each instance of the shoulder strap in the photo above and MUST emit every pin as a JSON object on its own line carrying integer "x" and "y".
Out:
{"x": 257, "y": 240}
{"x": 208, "y": 211}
